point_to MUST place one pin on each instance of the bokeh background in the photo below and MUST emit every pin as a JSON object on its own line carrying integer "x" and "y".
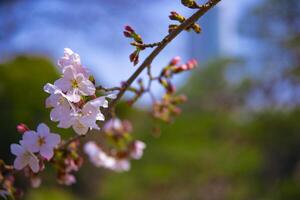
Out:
{"x": 239, "y": 134}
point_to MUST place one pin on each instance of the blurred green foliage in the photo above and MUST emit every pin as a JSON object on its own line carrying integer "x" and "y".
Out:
{"x": 214, "y": 150}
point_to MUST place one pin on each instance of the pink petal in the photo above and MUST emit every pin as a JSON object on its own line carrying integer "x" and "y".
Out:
{"x": 20, "y": 163}
{"x": 52, "y": 140}
{"x": 63, "y": 84}
{"x": 30, "y": 141}
{"x": 34, "y": 164}
{"x": 43, "y": 129}
{"x": 46, "y": 152}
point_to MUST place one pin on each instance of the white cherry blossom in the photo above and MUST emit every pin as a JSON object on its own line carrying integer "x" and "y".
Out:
{"x": 24, "y": 157}
{"x": 41, "y": 141}
{"x": 85, "y": 118}
{"x": 75, "y": 85}
{"x": 72, "y": 59}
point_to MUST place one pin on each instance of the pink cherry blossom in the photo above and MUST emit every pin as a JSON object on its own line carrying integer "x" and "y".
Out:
{"x": 41, "y": 141}
{"x": 121, "y": 165}
{"x": 75, "y": 85}
{"x": 100, "y": 159}
{"x": 66, "y": 179}
{"x": 137, "y": 149}
{"x": 24, "y": 157}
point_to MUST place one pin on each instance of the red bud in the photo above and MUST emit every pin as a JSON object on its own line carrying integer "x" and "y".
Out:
{"x": 22, "y": 128}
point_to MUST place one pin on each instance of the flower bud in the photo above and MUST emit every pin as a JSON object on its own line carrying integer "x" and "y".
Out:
{"x": 196, "y": 28}
{"x": 128, "y": 32}
{"x": 175, "y": 16}
{"x": 191, "y": 64}
{"x": 175, "y": 61}
{"x": 22, "y": 128}
{"x": 134, "y": 57}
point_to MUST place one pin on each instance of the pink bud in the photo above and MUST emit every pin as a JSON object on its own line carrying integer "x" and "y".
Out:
{"x": 192, "y": 64}
{"x": 129, "y": 29}
{"x": 22, "y": 128}
{"x": 175, "y": 61}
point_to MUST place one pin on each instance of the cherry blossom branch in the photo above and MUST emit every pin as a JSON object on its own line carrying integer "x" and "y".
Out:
{"x": 202, "y": 10}
{"x": 147, "y": 62}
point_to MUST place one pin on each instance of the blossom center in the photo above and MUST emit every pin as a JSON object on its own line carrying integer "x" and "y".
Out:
{"x": 41, "y": 141}
{"x": 74, "y": 83}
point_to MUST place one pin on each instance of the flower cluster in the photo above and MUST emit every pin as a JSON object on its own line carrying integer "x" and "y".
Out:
{"x": 41, "y": 141}
{"x": 72, "y": 97}
{"x": 123, "y": 148}
{"x": 67, "y": 161}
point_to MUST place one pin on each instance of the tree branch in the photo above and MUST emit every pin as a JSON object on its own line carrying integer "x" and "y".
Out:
{"x": 203, "y": 9}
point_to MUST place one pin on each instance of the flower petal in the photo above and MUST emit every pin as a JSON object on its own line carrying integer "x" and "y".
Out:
{"x": 79, "y": 128}
{"x": 20, "y": 162}
{"x": 43, "y": 129}
{"x": 34, "y": 163}
{"x": 52, "y": 140}
{"x": 30, "y": 141}
{"x": 46, "y": 152}
{"x": 16, "y": 149}
{"x": 63, "y": 84}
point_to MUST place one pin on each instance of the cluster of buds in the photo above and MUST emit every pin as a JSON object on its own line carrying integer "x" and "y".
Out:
{"x": 177, "y": 17}
{"x": 73, "y": 97}
{"x": 122, "y": 148}
{"x": 167, "y": 108}
{"x": 67, "y": 161}
{"x": 138, "y": 43}
{"x": 174, "y": 67}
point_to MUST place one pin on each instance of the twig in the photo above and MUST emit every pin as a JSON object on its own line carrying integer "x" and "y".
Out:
{"x": 203, "y": 9}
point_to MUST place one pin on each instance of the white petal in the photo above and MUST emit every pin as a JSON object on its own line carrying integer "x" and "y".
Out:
{"x": 100, "y": 117}
{"x": 69, "y": 73}
{"x": 87, "y": 88}
{"x": 63, "y": 84}
{"x": 98, "y": 102}
{"x": 16, "y": 149}
{"x": 79, "y": 128}
{"x": 111, "y": 96}
{"x": 73, "y": 95}
{"x": 34, "y": 163}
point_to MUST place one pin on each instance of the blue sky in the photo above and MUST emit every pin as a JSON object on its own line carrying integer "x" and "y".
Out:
{"x": 94, "y": 30}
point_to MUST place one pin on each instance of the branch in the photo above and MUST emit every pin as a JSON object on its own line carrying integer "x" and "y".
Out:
{"x": 203, "y": 9}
